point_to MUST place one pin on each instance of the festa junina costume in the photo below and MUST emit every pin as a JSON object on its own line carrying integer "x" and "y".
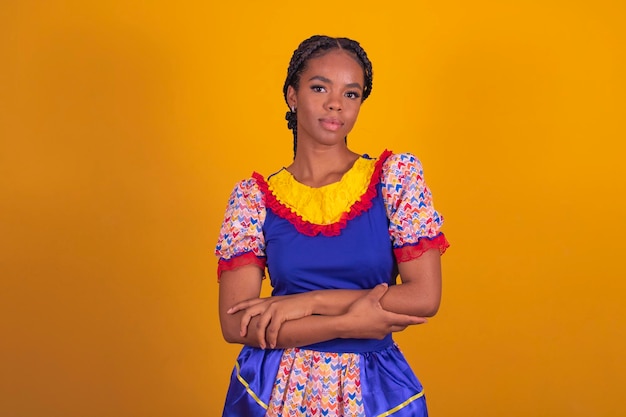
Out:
{"x": 345, "y": 235}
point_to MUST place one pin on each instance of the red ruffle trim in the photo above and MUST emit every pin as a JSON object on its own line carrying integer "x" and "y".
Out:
{"x": 248, "y": 258}
{"x": 334, "y": 229}
{"x": 414, "y": 251}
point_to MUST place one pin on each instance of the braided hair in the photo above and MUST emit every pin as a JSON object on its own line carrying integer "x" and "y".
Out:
{"x": 314, "y": 47}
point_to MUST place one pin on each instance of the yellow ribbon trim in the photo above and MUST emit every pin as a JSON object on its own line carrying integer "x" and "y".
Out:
{"x": 248, "y": 389}
{"x": 404, "y": 404}
{"x": 262, "y": 404}
{"x": 323, "y": 205}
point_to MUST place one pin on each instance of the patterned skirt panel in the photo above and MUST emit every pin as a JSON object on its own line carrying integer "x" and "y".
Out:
{"x": 303, "y": 382}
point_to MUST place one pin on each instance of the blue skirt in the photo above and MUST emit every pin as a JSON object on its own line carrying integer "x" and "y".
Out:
{"x": 311, "y": 382}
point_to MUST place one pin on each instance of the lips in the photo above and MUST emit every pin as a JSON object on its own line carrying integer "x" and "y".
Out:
{"x": 330, "y": 123}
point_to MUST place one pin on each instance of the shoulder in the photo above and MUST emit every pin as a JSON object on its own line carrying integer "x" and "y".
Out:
{"x": 248, "y": 192}
{"x": 248, "y": 184}
{"x": 399, "y": 166}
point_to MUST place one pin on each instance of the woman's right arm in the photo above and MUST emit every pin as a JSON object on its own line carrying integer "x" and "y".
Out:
{"x": 245, "y": 283}
{"x": 236, "y": 285}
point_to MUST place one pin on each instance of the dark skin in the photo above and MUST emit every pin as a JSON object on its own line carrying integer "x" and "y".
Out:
{"x": 328, "y": 101}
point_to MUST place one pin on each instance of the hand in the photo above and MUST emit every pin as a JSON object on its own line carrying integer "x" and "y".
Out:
{"x": 273, "y": 312}
{"x": 366, "y": 319}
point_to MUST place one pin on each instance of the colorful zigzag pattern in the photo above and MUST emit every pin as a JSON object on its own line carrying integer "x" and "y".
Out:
{"x": 414, "y": 224}
{"x": 311, "y": 383}
{"x": 408, "y": 200}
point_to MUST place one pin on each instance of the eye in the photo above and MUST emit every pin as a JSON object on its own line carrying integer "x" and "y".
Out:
{"x": 353, "y": 95}
{"x": 318, "y": 88}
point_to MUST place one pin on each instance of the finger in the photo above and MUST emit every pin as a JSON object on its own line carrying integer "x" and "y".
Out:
{"x": 398, "y": 328}
{"x": 404, "y": 319}
{"x": 272, "y": 332}
{"x": 245, "y": 321}
{"x": 411, "y": 320}
{"x": 415, "y": 320}
{"x": 243, "y": 305}
{"x": 261, "y": 327}
{"x": 378, "y": 291}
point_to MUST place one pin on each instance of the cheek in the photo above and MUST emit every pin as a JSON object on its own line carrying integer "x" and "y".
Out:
{"x": 354, "y": 110}
{"x": 310, "y": 104}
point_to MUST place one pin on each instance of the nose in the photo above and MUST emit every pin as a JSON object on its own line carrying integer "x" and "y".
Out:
{"x": 334, "y": 102}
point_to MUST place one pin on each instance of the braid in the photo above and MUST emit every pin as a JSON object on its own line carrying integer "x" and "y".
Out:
{"x": 314, "y": 47}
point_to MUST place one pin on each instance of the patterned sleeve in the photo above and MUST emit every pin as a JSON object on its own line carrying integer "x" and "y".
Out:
{"x": 414, "y": 224}
{"x": 241, "y": 241}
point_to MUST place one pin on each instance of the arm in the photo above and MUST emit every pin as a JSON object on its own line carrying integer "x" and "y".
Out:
{"x": 414, "y": 228}
{"x": 420, "y": 291}
{"x": 364, "y": 319}
{"x": 418, "y": 295}
{"x": 408, "y": 202}
{"x": 240, "y": 248}
{"x": 245, "y": 283}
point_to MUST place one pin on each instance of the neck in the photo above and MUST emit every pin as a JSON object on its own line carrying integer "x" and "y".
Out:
{"x": 321, "y": 165}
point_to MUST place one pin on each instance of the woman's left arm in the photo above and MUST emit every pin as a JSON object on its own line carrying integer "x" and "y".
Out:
{"x": 418, "y": 295}
{"x": 420, "y": 291}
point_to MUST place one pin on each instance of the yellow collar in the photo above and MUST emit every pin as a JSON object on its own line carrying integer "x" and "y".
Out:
{"x": 324, "y": 205}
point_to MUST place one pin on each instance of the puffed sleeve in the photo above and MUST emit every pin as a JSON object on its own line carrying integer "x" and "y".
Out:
{"x": 241, "y": 240}
{"x": 414, "y": 224}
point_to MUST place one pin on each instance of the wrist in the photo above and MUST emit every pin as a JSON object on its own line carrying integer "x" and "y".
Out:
{"x": 342, "y": 327}
{"x": 316, "y": 300}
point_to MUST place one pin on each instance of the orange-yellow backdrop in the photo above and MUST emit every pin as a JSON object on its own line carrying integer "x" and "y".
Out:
{"x": 124, "y": 126}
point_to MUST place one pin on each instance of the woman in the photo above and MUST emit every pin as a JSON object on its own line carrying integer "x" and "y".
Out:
{"x": 334, "y": 229}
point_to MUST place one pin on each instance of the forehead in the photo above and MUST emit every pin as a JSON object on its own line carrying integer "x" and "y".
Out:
{"x": 335, "y": 62}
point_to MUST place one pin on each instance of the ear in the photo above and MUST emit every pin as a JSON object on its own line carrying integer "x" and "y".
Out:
{"x": 292, "y": 97}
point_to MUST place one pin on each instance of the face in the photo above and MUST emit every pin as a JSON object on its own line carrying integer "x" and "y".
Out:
{"x": 328, "y": 99}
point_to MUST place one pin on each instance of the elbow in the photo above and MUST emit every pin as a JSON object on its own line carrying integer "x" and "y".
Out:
{"x": 229, "y": 338}
{"x": 430, "y": 308}
{"x": 431, "y": 312}
{"x": 231, "y": 335}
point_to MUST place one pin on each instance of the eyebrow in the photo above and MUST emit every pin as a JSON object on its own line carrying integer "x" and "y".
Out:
{"x": 326, "y": 80}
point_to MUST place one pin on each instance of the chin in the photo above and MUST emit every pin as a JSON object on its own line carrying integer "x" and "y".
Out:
{"x": 334, "y": 138}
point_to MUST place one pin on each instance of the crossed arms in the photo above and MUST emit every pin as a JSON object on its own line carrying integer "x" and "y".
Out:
{"x": 317, "y": 316}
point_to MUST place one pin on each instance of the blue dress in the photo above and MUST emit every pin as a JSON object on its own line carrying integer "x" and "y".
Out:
{"x": 347, "y": 236}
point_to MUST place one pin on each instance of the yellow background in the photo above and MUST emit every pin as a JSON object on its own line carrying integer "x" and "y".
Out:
{"x": 125, "y": 124}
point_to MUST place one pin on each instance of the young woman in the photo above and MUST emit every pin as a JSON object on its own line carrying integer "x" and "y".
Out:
{"x": 334, "y": 229}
